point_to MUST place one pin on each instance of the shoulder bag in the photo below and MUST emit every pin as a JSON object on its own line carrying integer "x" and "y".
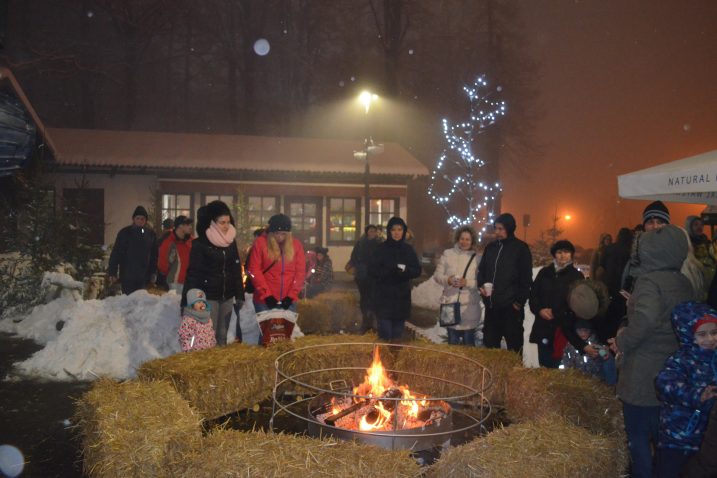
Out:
{"x": 450, "y": 314}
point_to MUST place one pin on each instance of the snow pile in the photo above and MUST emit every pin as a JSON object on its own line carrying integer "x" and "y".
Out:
{"x": 110, "y": 337}
{"x": 427, "y": 294}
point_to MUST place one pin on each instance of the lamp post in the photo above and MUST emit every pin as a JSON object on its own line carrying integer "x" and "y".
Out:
{"x": 366, "y": 98}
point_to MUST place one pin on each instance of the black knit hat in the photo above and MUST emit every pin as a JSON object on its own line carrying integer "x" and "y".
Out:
{"x": 562, "y": 245}
{"x": 167, "y": 223}
{"x": 321, "y": 250}
{"x": 656, "y": 210}
{"x": 279, "y": 222}
{"x": 179, "y": 220}
{"x": 508, "y": 222}
{"x": 140, "y": 211}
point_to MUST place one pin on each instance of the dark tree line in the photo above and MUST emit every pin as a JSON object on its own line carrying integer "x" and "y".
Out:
{"x": 189, "y": 66}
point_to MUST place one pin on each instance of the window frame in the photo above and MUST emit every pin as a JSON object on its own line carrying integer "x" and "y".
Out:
{"x": 327, "y": 227}
{"x": 277, "y": 207}
{"x": 174, "y": 215}
{"x": 396, "y": 211}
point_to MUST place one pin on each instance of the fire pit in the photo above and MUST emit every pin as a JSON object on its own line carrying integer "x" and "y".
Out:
{"x": 382, "y": 408}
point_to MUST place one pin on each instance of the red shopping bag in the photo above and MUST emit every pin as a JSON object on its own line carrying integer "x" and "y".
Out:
{"x": 559, "y": 343}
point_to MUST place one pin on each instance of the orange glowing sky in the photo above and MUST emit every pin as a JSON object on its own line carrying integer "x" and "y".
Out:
{"x": 623, "y": 86}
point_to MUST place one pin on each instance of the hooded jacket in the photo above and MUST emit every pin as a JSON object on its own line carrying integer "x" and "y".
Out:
{"x": 283, "y": 278}
{"x": 392, "y": 300}
{"x": 215, "y": 270}
{"x": 508, "y": 264}
{"x": 648, "y": 339}
{"x": 683, "y": 417}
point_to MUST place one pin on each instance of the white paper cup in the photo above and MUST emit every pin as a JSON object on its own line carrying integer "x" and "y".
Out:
{"x": 488, "y": 287}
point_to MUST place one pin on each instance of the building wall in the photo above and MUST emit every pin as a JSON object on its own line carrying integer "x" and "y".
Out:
{"x": 122, "y": 194}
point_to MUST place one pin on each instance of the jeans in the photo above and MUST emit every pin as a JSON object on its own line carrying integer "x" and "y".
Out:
{"x": 503, "y": 322}
{"x": 669, "y": 462}
{"x": 221, "y": 315}
{"x": 641, "y": 426}
{"x": 390, "y": 329}
{"x": 455, "y": 337}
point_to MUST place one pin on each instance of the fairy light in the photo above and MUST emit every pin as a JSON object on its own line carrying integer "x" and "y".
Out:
{"x": 458, "y": 158}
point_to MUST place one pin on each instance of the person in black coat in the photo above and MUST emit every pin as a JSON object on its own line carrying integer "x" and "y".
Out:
{"x": 507, "y": 264}
{"x": 215, "y": 266}
{"x": 393, "y": 265}
{"x": 360, "y": 260}
{"x": 614, "y": 261}
{"x": 549, "y": 300}
{"x": 134, "y": 254}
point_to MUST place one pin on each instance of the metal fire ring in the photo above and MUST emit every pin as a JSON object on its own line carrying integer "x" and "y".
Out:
{"x": 283, "y": 378}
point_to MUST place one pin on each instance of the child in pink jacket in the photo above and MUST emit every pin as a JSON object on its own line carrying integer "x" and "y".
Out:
{"x": 196, "y": 331}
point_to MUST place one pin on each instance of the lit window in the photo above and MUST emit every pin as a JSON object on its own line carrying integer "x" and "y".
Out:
{"x": 260, "y": 209}
{"x": 343, "y": 219}
{"x": 382, "y": 210}
{"x": 174, "y": 205}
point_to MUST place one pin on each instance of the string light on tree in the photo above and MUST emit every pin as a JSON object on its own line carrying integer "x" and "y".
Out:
{"x": 457, "y": 182}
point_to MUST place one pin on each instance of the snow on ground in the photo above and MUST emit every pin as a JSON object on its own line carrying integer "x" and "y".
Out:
{"x": 428, "y": 294}
{"x": 110, "y": 337}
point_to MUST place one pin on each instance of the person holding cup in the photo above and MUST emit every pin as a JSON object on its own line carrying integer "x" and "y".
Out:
{"x": 456, "y": 272}
{"x": 393, "y": 265}
{"x": 504, "y": 278}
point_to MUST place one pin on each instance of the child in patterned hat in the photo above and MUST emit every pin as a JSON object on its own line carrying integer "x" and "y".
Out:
{"x": 196, "y": 331}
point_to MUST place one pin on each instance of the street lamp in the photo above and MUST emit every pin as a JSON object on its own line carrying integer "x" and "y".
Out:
{"x": 366, "y": 98}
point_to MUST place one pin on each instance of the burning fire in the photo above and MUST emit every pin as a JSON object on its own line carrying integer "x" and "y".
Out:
{"x": 376, "y": 385}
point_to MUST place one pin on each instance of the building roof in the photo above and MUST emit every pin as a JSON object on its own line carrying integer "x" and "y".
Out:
{"x": 136, "y": 149}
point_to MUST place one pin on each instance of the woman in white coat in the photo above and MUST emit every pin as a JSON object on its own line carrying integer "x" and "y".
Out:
{"x": 449, "y": 273}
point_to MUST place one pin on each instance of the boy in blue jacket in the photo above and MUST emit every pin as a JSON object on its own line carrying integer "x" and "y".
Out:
{"x": 686, "y": 387}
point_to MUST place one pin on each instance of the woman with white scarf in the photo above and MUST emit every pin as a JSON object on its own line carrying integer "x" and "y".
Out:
{"x": 459, "y": 285}
{"x": 215, "y": 266}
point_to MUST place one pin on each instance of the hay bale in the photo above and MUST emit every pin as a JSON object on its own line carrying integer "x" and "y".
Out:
{"x": 231, "y": 453}
{"x": 314, "y": 317}
{"x": 499, "y": 363}
{"x": 550, "y": 447}
{"x": 219, "y": 380}
{"x": 583, "y": 400}
{"x": 127, "y": 427}
{"x": 344, "y": 310}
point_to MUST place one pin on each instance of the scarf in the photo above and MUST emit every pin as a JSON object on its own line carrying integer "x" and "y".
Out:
{"x": 200, "y": 316}
{"x": 218, "y": 238}
{"x": 558, "y": 268}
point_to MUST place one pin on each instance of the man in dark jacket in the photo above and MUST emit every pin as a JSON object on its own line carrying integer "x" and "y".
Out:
{"x": 507, "y": 266}
{"x": 134, "y": 254}
{"x": 360, "y": 259}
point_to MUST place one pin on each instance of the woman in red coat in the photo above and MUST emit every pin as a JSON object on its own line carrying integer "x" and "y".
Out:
{"x": 277, "y": 266}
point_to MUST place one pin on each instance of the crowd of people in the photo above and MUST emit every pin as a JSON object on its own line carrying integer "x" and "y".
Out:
{"x": 644, "y": 321}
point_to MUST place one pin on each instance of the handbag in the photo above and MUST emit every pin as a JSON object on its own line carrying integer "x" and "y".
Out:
{"x": 450, "y": 314}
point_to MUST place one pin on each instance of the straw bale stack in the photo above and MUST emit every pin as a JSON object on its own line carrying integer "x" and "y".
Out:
{"x": 314, "y": 317}
{"x": 344, "y": 307}
{"x": 583, "y": 400}
{"x": 549, "y": 447}
{"x": 127, "y": 427}
{"x": 499, "y": 363}
{"x": 231, "y": 453}
{"x": 220, "y": 380}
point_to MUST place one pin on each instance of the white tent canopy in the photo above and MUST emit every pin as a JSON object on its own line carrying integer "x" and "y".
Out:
{"x": 689, "y": 180}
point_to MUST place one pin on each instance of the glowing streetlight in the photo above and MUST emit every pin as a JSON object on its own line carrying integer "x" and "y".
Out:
{"x": 568, "y": 217}
{"x": 366, "y": 98}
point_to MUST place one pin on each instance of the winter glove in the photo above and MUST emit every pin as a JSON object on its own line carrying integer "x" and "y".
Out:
{"x": 286, "y": 302}
{"x": 271, "y": 302}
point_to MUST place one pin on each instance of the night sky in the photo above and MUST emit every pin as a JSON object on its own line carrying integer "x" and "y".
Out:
{"x": 619, "y": 86}
{"x": 623, "y": 86}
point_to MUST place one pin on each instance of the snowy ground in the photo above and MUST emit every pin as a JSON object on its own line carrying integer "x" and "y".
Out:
{"x": 110, "y": 337}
